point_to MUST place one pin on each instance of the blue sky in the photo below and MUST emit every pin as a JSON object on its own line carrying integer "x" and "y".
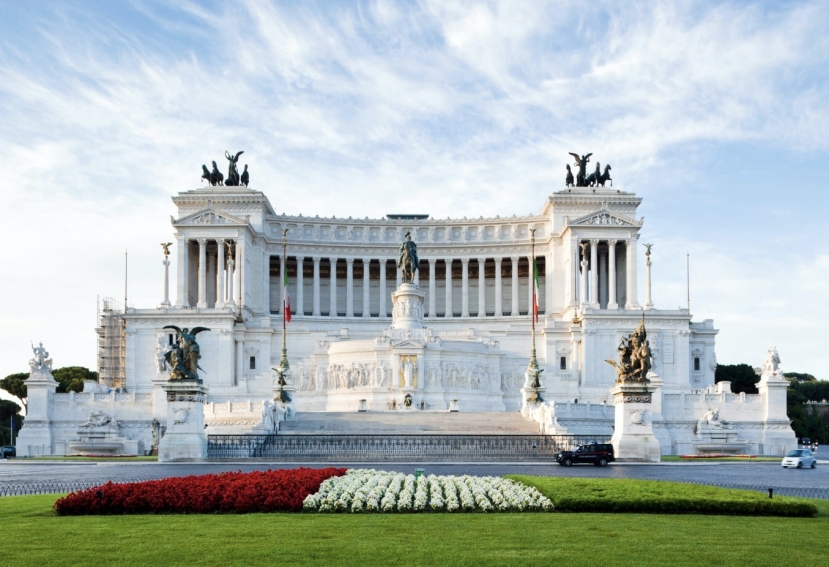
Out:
{"x": 715, "y": 113}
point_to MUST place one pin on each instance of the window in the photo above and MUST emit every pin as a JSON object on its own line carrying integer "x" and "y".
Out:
{"x": 696, "y": 364}
{"x": 253, "y": 363}
{"x": 562, "y": 365}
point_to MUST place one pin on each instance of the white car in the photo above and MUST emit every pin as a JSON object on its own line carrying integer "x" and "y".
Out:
{"x": 800, "y": 458}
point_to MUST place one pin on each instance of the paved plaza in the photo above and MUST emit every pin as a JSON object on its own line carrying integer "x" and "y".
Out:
{"x": 758, "y": 473}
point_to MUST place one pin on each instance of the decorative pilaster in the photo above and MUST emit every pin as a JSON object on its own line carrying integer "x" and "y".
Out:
{"x": 481, "y": 287}
{"x": 611, "y": 275}
{"x": 240, "y": 294}
{"x": 366, "y": 288}
{"x": 632, "y": 300}
{"x": 432, "y": 289}
{"x": 383, "y": 290}
{"x": 332, "y": 310}
{"x": 316, "y": 311}
{"x": 231, "y": 275}
{"x": 349, "y": 287}
{"x": 514, "y": 263}
{"x": 266, "y": 282}
{"x": 202, "y": 302}
{"x": 594, "y": 274}
{"x": 465, "y": 287}
{"x": 499, "y": 300}
{"x": 583, "y": 294}
{"x": 448, "y": 313}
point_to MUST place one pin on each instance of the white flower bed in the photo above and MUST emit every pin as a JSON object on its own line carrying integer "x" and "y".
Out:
{"x": 362, "y": 490}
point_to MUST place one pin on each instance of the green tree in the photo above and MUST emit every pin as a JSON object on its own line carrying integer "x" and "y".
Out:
{"x": 743, "y": 378}
{"x": 15, "y": 384}
{"x": 70, "y": 378}
{"x": 8, "y": 411}
{"x": 800, "y": 377}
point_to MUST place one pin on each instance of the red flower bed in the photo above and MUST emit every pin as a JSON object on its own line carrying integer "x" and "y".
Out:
{"x": 260, "y": 491}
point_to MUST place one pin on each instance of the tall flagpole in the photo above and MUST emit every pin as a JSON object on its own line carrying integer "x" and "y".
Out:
{"x": 283, "y": 361}
{"x": 532, "y": 368}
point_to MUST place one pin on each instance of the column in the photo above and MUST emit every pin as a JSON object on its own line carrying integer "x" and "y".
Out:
{"x": 332, "y": 309}
{"x": 231, "y": 275}
{"x": 572, "y": 277}
{"x": 398, "y": 275}
{"x": 648, "y": 301}
{"x": 514, "y": 310}
{"x": 611, "y": 275}
{"x": 632, "y": 301}
{"x": 220, "y": 273}
{"x": 594, "y": 274}
{"x": 448, "y": 312}
{"x": 239, "y": 291}
{"x": 202, "y": 302}
{"x": 316, "y": 311}
{"x": 366, "y": 288}
{"x": 210, "y": 283}
{"x": 530, "y": 285}
{"x": 300, "y": 292}
{"x": 481, "y": 287}
{"x": 603, "y": 278}
{"x": 465, "y": 287}
{"x": 383, "y": 291}
{"x": 266, "y": 283}
{"x": 182, "y": 283}
{"x": 432, "y": 289}
{"x": 349, "y": 287}
{"x": 583, "y": 294}
{"x": 166, "y": 301}
{"x": 499, "y": 300}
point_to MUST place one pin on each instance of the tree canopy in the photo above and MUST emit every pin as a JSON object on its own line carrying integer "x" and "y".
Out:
{"x": 743, "y": 378}
{"x": 8, "y": 411}
{"x": 15, "y": 384}
{"x": 69, "y": 379}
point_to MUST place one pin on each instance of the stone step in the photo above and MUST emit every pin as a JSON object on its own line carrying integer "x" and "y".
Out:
{"x": 412, "y": 422}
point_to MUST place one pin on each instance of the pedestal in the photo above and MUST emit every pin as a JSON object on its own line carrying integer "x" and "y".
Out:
{"x": 185, "y": 439}
{"x": 530, "y": 399}
{"x": 633, "y": 438}
{"x": 35, "y": 437}
{"x": 408, "y": 307}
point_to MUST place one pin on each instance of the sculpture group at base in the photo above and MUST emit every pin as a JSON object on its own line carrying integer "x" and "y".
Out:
{"x": 635, "y": 357}
{"x": 183, "y": 356}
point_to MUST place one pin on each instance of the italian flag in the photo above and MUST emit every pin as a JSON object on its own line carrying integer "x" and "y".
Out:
{"x": 286, "y": 303}
{"x": 535, "y": 290}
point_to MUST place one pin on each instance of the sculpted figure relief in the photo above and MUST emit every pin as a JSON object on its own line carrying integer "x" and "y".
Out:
{"x": 97, "y": 419}
{"x": 711, "y": 419}
{"x": 771, "y": 367}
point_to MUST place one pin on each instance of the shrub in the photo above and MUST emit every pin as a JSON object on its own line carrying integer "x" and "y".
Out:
{"x": 259, "y": 491}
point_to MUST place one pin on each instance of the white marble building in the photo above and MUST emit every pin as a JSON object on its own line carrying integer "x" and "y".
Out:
{"x": 473, "y": 343}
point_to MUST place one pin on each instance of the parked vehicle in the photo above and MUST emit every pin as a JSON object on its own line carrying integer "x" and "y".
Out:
{"x": 8, "y": 451}
{"x": 800, "y": 458}
{"x": 598, "y": 454}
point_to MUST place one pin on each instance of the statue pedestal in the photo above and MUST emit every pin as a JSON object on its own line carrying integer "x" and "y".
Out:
{"x": 530, "y": 399}
{"x": 35, "y": 437}
{"x": 408, "y": 307}
{"x": 633, "y": 438}
{"x": 185, "y": 439}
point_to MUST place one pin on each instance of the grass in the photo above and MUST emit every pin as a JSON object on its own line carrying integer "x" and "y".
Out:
{"x": 660, "y": 497}
{"x": 34, "y": 536}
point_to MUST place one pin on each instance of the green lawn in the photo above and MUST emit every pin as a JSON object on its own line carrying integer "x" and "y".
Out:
{"x": 33, "y": 535}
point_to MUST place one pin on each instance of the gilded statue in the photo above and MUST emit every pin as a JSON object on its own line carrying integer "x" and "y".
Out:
{"x": 635, "y": 357}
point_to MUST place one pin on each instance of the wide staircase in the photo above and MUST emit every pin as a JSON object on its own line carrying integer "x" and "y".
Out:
{"x": 411, "y": 422}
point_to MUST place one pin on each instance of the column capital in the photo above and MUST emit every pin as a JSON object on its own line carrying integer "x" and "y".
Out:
{"x": 514, "y": 258}
{"x": 300, "y": 258}
{"x": 201, "y": 241}
{"x": 349, "y": 261}
{"x": 365, "y": 261}
{"x": 498, "y": 261}
{"x": 316, "y": 259}
{"x": 465, "y": 261}
{"x": 481, "y": 260}
{"x": 612, "y": 242}
{"x": 220, "y": 241}
{"x": 594, "y": 241}
{"x": 633, "y": 237}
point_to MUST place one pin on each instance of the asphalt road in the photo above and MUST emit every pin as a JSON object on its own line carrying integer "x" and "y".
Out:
{"x": 757, "y": 473}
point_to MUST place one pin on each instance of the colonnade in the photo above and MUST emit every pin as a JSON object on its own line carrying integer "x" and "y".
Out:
{"x": 218, "y": 281}
{"x": 606, "y": 275}
{"x": 427, "y": 277}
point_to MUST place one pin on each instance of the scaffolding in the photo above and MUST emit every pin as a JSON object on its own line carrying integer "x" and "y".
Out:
{"x": 112, "y": 349}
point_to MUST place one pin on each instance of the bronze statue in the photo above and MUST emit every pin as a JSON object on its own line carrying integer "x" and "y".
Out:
{"x": 408, "y": 261}
{"x": 581, "y": 162}
{"x": 184, "y": 354}
{"x": 605, "y": 177}
{"x": 206, "y": 174}
{"x": 166, "y": 247}
{"x": 593, "y": 178}
{"x": 216, "y": 177}
{"x": 245, "y": 176}
{"x": 568, "y": 181}
{"x": 635, "y": 357}
{"x": 232, "y": 171}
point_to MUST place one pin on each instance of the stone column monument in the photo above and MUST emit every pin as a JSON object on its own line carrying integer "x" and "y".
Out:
{"x": 185, "y": 439}
{"x": 36, "y": 435}
{"x": 633, "y": 438}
